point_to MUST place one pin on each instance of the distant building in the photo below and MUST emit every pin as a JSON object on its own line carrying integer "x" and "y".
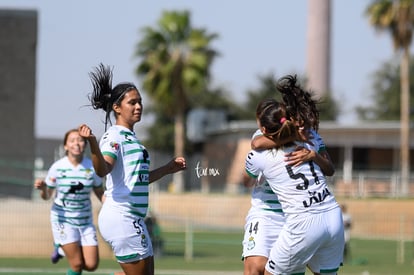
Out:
{"x": 18, "y": 43}
{"x": 366, "y": 148}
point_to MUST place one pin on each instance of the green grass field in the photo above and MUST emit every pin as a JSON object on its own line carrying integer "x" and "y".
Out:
{"x": 219, "y": 253}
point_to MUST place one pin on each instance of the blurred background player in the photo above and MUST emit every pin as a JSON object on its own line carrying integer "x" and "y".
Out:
{"x": 71, "y": 180}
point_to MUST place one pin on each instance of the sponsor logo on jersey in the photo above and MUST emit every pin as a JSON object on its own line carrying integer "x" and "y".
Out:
{"x": 316, "y": 197}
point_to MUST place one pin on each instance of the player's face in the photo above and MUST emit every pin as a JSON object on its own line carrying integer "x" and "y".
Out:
{"x": 130, "y": 109}
{"x": 75, "y": 144}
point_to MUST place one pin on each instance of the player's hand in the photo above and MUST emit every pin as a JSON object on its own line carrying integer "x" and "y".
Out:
{"x": 39, "y": 184}
{"x": 299, "y": 156}
{"x": 177, "y": 164}
{"x": 85, "y": 131}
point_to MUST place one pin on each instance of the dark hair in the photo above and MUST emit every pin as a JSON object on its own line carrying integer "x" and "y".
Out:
{"x": 103, "y": 95}
{"x": 272, "y": 116}
{"x": 299, "y": 103}
{"x": 263, "y": 105}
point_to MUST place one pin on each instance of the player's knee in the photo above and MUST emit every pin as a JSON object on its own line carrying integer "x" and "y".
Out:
{"x": 76, "y": 265}
{"x": 90, "y": 266}
{"x": 253, "y": 269}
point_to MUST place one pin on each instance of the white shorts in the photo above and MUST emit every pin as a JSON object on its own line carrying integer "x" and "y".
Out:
{"x": 127, "y": 235}
{"x": 261, "y": 232}
{"x": 317, "y": 240}
{"x": 64, "y": 233}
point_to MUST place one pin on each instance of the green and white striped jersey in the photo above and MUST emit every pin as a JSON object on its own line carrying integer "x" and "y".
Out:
{"x": 127, "y": 184}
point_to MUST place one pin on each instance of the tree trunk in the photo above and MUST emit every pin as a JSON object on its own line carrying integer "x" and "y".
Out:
{"x": 405, "y": 121}
{"x": 318, "y": 50}
{"x": 179, "y": 141}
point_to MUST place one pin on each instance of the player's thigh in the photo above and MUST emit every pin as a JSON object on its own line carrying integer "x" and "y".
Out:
{"x": 254, "y": 265}
{"x": 90, "y": 257}
{"x": 260, "y": 233}
{"x": 145, "y": 266}
{"x": 89, "y": 243}
{"x": 73, "y": 253}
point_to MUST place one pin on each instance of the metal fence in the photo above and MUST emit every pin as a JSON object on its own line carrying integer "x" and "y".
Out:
{"x": 25, "y": 226}
{"x": 371, "y": 184}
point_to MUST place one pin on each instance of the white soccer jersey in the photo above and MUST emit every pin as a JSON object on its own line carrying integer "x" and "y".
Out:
{"x": 73, "y": 184}
{"x": 313, "y": 231}
{"x": 263, "y": 197}
{"x": 300, "y": 189}
{"x": 127, "y": 184}
{"x": 263, "y": 221}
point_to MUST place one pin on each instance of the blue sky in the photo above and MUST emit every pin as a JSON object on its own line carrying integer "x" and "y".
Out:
{"x": 255, "y": 38}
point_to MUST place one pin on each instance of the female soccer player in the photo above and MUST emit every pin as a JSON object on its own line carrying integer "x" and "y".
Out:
{"x": 265, "y": 218}
{"x": 313, "y": 231}
{"x": 72, "y": 179}
{"x": 125, "y": 162}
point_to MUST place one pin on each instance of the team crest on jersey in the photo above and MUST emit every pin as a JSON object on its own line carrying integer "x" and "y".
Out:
{"x": 144, "y": 241}
{"x": 88, "y": 174}
{"x": 62, "y": 235}
{"x": 61, "y": 229}
{"x": 251, "y": 243}
{"x": 114, "y": 145}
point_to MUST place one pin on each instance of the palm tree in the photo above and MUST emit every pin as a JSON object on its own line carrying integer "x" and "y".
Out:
{"x": 397, "y": 18}
{"x": 175, "y": 64}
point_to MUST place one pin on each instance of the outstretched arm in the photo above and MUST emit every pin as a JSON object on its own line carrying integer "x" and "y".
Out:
{"x": 175, "y": 165}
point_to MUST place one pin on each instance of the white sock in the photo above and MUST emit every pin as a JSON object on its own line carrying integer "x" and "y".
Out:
{"x": 60, "y": 251}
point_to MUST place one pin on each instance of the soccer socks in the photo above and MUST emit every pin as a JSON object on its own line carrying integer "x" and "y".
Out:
{"x": 71, "y": 272}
